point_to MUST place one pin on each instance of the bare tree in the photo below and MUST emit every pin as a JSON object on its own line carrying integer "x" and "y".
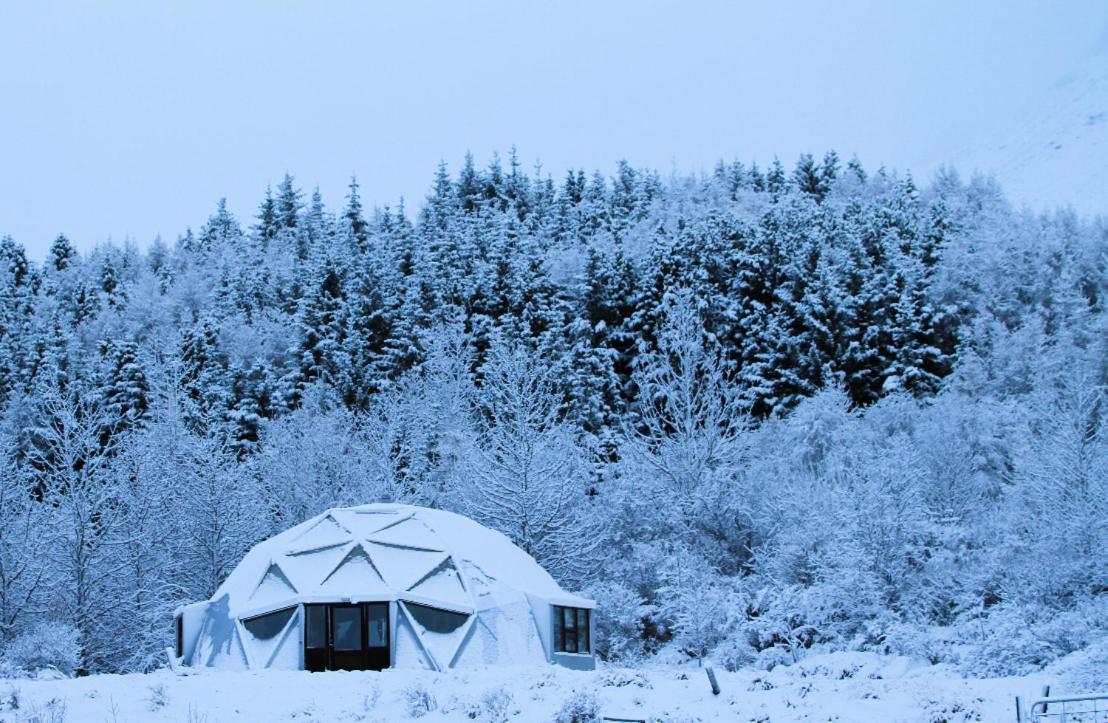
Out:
{"x": 686, "y": 440}
{"x": 527, "y": 471}
{"x": 73, "y": 459}
{"x": 21, "y": 565}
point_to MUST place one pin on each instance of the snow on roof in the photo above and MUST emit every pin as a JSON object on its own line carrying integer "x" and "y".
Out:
{"x": 388, "y": 552}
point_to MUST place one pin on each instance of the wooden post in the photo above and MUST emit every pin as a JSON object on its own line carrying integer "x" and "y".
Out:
{"x": 1019, "y": 710}
{"x": 712, "y": 679}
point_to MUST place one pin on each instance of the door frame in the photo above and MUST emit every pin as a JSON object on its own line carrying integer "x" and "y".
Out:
{"x": 323, "y": 658}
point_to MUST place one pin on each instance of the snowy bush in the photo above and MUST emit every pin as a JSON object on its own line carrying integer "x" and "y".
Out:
{"x": 735, "y": 652}
{"x": 581, "y": 707}
{"x": 773, "y": 657}
{"x": 159, "y": 697}
{"x": 418, "y": 701}
{"x": 937, "y": 711}
{"x": 1022, "y": 639}
{"x": 695, "y": 600}
{"x": 622, "y": 677}
{"x": 52, "y": 711}
{"x": 919, "y": 641}
{"x": 9, "y": 698}
{"x": 619, "y": 621}
{"x": 1085, "y": 671}
{"x": 54, "y": 646}
{"x": 494, "y": 706}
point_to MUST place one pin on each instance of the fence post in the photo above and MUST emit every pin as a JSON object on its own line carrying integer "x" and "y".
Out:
{"x": 712, "y": 679}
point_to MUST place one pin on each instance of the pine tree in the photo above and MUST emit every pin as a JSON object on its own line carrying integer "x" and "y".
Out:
{"x": 16, "y": 314}
{"x": 125, "y": 396}
{"x": 62, "y": 255}
{"x": 221, "y": 231}
{"x": 354, "y": 217}
{"x": 203, "y": 375}
{"x": 776, "y": 182}
{"x": 289, "y": 204}
{"x": 469, "y": 187}
{"x": 807, "y": 177}
{"x": 267, "y": 223}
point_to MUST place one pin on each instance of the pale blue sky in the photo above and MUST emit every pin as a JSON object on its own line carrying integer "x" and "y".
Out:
{"x": 130, "y": 119}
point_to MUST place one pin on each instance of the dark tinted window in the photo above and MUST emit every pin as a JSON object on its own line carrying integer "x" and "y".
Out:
{"x": 436, "y": 620}
{"x": 315, "y": 628}
{"x": 571, "y": 630}
{"x": 264, "y": 627}
{"x": 180, "y": 636}
{"x": 377, "y": 625}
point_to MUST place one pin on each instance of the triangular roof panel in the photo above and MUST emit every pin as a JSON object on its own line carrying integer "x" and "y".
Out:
{"x": 443, "y": 583}
{"x": 325, "y": 533}
{"x": 273, "y": 587}
{"x": 403, "y": 567}
{"x": 355, "y": 574}
{"x": 409, "y": 532}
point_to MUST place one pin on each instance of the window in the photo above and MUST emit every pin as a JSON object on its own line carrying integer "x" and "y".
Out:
{"x": 346, "y": 623}
{"x": 180, "y": 636}
{"x": 436, "y": 620}
{"x": 571, "y": 630}
{"x": 264, "y": 627}
{"x": 377, "y": 624}
{"x": 315, "y": 627}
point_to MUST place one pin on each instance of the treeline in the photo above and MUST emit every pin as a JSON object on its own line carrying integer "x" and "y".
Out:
{"x": 753, "y": 412}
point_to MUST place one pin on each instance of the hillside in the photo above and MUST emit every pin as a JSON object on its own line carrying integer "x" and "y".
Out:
{"x": 1055, "y": 152}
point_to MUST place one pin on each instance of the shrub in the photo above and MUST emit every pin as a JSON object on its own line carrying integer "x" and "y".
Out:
{"x": 619, "y": 622}
{"x": 1021, "y": 639}
{"x": 735, "y": 651}
{"x": 9, "y": 699}
{"x": 495, "y": 706}
{"x": 418, "y": 701}
{"x": 581, "y": 707}
{"x": 622, "y": 677}
{"x": 159, "y": 697}
{"x": 53, "y": 711}
{"x": 52, "y": 646}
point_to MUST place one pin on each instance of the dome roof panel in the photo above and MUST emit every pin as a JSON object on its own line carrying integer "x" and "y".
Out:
{"x": 391, "y": 552}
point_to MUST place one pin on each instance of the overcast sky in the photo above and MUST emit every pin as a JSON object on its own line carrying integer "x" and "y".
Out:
{"x": 130, "y": 119}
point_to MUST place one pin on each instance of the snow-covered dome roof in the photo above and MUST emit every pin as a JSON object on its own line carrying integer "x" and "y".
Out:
{"x": 388, "y": 552}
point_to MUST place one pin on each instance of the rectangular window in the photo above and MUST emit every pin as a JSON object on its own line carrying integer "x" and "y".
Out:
{"x": 571, "y": 630}
{"x": 180, "y": 636}
{"x": 377, "y": 622}
{"x": 315, "y": 629}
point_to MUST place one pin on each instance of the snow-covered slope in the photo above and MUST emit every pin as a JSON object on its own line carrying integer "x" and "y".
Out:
{"x": 1055, "y": 152}
{"x": 837, "y": 686}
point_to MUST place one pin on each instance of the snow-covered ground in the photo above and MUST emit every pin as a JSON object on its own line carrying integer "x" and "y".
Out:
{"x": 836, "y": 686}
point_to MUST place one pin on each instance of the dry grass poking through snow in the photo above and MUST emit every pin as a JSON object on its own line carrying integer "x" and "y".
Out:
{"x": 832, "y": 687}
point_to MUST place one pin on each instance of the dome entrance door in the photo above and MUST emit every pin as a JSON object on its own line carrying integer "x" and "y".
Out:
{"x": 345, "y": 636}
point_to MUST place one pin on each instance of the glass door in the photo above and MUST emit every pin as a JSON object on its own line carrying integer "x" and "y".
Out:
{"x": 340, "y": 636}
{"x": 347, "y": 638}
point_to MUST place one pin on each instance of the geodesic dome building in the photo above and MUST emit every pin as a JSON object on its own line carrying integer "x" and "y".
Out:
{"x": 382, "y": 585}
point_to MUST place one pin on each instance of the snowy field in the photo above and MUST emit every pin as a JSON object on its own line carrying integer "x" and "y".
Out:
{"x": 838, "y": 687}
